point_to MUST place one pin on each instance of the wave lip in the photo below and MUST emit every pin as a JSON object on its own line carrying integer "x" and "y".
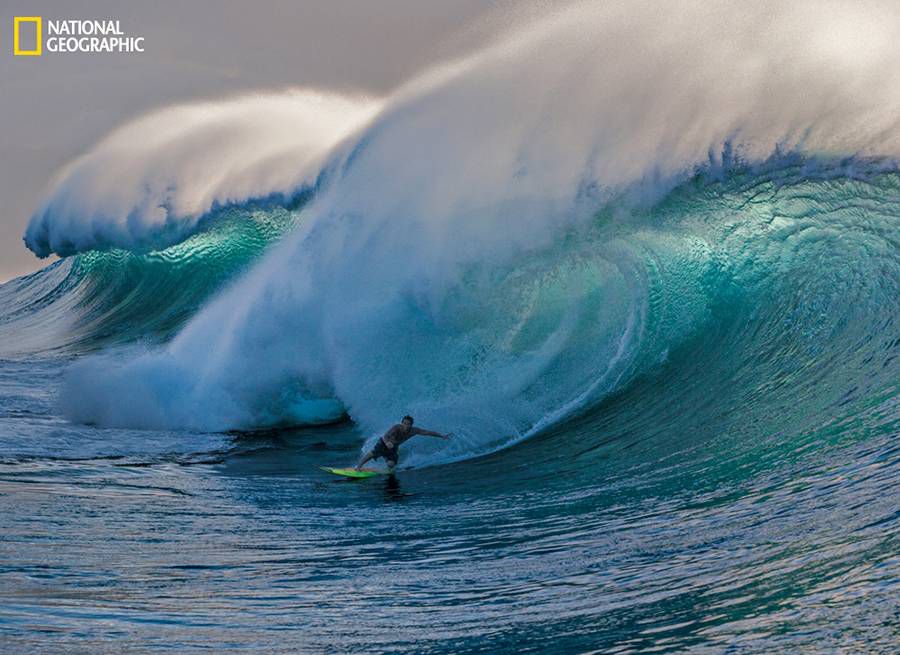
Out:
{"x": 153, "y": 182}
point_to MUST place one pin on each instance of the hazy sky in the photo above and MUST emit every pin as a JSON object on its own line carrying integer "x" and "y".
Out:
{"x": 53, "y": 108}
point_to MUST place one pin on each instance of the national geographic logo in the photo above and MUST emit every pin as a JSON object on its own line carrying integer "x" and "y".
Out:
{"x": 70, "y": 35}
{"x": 18, "y": 29}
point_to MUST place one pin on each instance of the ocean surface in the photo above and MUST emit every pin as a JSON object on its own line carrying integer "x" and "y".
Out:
{"x": 661, "y": 320}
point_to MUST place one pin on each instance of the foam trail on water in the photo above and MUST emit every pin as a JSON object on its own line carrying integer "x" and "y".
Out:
{"x": 150, "y": 183}
{"x": 449, "y": 267}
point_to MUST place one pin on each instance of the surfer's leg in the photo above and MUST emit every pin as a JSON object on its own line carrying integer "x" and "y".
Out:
{"x": 369, "y": 455}
{"x": 391, "y": 463}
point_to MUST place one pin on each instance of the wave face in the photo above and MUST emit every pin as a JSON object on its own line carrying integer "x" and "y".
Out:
{"x": 512, "y": 238}
{"x": 737, "y": 288}
{"x": 102, "y": 298}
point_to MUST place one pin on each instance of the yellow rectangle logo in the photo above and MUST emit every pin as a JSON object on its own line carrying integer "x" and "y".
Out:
{"x": 38, "y": 36}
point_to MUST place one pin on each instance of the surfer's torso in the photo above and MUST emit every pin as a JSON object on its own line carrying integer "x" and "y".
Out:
{"x": 397, "y": 435}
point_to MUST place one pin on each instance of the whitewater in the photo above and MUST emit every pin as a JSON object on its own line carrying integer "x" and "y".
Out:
{"x": 643, "y": 261}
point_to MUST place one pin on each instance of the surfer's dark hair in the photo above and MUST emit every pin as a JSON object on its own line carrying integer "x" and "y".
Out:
{"x": 411, "y": 420}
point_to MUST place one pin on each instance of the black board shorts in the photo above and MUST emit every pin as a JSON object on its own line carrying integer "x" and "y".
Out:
{"x": 389, "y": 454}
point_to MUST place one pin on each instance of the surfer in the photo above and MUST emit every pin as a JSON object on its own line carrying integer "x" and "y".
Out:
{"x": 388, "y": 445}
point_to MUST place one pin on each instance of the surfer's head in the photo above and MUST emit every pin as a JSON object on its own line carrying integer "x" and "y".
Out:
{"x": 407, "y": 421}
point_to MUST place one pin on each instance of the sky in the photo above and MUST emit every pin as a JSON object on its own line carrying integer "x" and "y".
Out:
{"x": 55, "y": 107}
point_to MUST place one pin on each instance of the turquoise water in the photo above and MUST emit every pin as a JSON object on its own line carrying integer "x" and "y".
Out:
{"x": 705, "y": 461}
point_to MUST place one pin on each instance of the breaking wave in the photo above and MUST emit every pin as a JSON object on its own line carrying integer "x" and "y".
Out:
{"x": 506, "y": 243}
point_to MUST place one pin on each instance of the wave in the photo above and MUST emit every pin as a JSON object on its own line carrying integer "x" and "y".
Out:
{"x": 102, "y": 298}
{"x": 160, "y": 179}
{"x": 748, "y": 275}
{"x": 516, "y": 237}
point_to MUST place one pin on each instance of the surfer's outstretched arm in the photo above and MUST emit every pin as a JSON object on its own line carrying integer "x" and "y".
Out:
{"x": 430, "y": 433}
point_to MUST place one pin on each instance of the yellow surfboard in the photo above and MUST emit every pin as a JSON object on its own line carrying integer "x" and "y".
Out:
{"x": 353, "y": 473}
